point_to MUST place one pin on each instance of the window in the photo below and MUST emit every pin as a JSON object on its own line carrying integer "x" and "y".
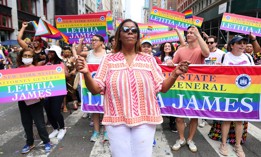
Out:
{"x": 28, "y": 6}
{"x": 5, "y": 21}
{"x": 45, "y": 8}
{"x": 3, "y": 2}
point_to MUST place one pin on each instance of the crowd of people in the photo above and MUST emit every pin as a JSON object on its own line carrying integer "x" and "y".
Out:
{"x": 129, "y": 64}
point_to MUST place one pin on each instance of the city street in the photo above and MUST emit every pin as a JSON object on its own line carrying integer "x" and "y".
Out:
{"x": 76, "y": 141}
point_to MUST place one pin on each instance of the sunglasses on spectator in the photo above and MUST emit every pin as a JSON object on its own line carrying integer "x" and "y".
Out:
{"x": 127, "y": 29}
{"x": 211, "y": 42}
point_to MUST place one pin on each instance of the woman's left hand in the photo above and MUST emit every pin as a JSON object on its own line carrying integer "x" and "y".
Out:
{"x": 181, "y": 68}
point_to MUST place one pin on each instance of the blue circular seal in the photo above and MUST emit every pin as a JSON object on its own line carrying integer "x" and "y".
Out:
{"x": 1, "y": 75}
{"x": 59, "y": 69}
{"x": 59, "y": 19}
{"x": 197, "y": 21}
{"x": 228, "y": 17}
{"x": 155, "y": 11}
{"x": 102, "y": 18}
{"x": 243, "y": 81}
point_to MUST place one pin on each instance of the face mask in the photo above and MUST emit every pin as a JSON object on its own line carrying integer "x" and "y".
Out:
{"x": 27, "y": 61}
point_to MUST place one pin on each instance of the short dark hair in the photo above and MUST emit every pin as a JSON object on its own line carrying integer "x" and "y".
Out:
{"x": 100, "y": 37}
{"x": 214, "y": 37}
{"x": 199, "y": 30}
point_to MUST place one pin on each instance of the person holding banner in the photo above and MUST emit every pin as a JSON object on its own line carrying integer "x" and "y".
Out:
{"x": 195, "y": 51}
{"x": 32, "y": 110}
{"x": 236, "y": 56}
{"x": 53, "y": 104}
{"x": 94, "y": 57}
{"x": 130, "y": 81}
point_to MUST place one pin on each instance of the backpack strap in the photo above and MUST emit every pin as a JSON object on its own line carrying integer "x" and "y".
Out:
{"x": 222, "y": 59}
{"x": 248, "y": 58}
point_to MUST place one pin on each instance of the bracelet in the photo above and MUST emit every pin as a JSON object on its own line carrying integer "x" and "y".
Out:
{"x": 253, "y": 40}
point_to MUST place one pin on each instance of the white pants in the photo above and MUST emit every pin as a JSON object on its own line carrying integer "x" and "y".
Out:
{"x": 131, "y": 141}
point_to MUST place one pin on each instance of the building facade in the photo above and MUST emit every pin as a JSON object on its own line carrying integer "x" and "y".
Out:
{"x": 212, "y": 12}
{"x": 14, "y": 12}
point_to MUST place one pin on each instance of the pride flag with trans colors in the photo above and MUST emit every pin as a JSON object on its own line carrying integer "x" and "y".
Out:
{"x": 209, "y": 92}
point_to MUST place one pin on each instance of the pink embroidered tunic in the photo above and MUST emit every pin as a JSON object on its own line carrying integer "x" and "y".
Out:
{"x": 130, "y": 91}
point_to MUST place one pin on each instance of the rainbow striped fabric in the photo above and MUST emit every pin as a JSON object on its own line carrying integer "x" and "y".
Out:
{"x": 210, "y": 92}
{"x": 188, "y": 14}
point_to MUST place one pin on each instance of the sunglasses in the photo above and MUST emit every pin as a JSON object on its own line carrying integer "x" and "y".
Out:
{"x": 127, "y": 29}
{"x": 210, "y": 42}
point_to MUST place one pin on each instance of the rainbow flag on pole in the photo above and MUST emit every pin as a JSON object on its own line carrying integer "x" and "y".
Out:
{"x": 188, "y": 14}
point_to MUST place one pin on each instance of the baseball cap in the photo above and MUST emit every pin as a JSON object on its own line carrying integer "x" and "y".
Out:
{"x": 146, "y": 41}
{"x": 56, "y": 49}
{"x": 237, "y": 38}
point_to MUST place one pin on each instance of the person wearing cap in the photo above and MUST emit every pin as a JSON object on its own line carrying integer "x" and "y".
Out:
{"x": 146, "y": 47}
{"x": 53, "y": 104}
{"x": 236, "y": 56}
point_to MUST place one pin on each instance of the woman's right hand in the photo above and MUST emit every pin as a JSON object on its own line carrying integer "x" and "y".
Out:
{"x": 25, "y": 24}
{"x": 81, "y": 65}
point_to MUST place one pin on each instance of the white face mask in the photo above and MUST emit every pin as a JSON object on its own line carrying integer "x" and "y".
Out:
{"x": 27, "y": 61}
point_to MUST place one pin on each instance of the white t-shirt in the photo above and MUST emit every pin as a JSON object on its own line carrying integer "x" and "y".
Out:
{"x": 214, "y": 57}
{"x": 243, "y": 59}
{"x": 91, "y": 58}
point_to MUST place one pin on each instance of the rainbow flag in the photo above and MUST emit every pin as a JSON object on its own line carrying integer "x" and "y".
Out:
{"x": 77, "y": 26}
{"x": 162, "y": 37}
{"x": 209, "y": 92}
{"x": 148, "y": 28}
{"x": 32, "y": 83}
{"x": 188, "y": 14}
{"x": 173, "y": 19}
{"x": 241, "y": 24}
